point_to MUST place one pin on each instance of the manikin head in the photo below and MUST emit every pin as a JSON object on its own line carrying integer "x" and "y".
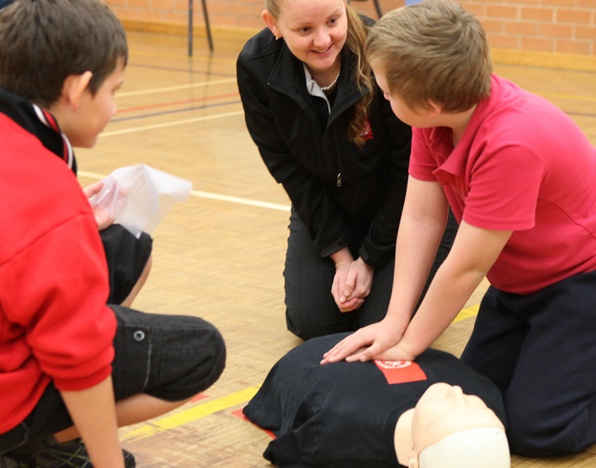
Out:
{"x": 449, "y": 429}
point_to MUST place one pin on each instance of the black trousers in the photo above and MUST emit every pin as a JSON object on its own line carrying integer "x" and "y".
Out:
{"x": 540, "y": 350}
{"x": 310, "y": 308}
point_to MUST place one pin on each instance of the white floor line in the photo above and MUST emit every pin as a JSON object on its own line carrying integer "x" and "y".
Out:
{"x": 212, "y": 196}
{"x": 170, "y": 124}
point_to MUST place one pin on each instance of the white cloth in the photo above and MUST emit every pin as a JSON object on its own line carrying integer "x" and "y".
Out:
{"x": 138, "y": 197}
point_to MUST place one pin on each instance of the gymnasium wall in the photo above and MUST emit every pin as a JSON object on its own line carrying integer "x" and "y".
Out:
{"x": 546, "y": 32}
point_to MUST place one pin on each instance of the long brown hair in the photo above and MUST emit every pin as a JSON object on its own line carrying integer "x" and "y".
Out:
{"x": 357, "y": 33}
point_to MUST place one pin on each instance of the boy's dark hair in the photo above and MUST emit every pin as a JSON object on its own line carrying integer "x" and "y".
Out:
{"x": 432, "y": 51}
{"x": 45, "y": 41}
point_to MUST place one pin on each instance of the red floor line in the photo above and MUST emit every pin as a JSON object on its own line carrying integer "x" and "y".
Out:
{"x": 175, "y": 103}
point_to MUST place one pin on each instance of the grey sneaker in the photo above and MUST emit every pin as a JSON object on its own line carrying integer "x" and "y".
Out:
{"x": 70, "y": 454}
{"x": 8, "y": 462}
{"x": 15, "y": 460}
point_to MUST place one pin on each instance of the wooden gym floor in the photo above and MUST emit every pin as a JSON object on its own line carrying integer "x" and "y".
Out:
{"x": 220, "y": 254}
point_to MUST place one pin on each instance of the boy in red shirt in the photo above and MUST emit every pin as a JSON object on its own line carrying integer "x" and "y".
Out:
{"x": 71, "y": 366}
{"x": 519, "y": 176}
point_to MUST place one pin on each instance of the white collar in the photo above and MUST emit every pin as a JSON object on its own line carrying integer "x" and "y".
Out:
{"x": 313, "y": 87}
{"x": 41, "y": 115}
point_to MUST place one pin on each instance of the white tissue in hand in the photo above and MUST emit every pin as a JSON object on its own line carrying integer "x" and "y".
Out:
{"x": 138, "y": 197}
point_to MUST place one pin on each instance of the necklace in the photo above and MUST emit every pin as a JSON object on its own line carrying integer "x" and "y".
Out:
{"x": 331, "y": 85}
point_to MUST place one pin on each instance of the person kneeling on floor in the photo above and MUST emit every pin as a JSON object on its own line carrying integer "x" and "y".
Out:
{"x": 72, "y": 368}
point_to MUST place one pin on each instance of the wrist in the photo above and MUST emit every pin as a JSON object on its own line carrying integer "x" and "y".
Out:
{"x": 396, "y": 319}
{"x": 342, "y": 256}
{"x": 368, "y": 267}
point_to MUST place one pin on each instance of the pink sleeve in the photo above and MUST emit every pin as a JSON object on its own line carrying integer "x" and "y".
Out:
{"x": 422, "y": 162}
{"x": 504, "y": 188}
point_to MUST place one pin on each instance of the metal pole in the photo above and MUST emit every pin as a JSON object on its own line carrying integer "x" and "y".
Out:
{"x": 190, "y": 27}
{"x": 207, "y": 25}
{"x": 378, "y": 8}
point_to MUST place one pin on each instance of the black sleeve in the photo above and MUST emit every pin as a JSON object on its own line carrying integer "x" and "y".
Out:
{"x": 327, "y": 227}
{"x": 379, "y": 244}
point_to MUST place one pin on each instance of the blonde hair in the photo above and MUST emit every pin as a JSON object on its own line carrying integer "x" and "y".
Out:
{"x": 356, "y": 37}
{"x": 432, "y": 51}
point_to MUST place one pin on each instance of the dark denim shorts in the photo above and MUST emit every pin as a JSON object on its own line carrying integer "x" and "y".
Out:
{"x": 170, "y": 357}
{"x": 126, "y": 256}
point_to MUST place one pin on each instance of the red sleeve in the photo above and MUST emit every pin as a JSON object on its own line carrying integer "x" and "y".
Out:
{"x": 58, "y": 290}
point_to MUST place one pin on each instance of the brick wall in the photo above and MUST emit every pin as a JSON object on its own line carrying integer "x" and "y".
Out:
{"x": 541, "y": 26}
{"x": 563, "y": 26}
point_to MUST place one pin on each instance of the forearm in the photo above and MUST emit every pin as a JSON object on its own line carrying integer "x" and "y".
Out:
{"x": 417, "y": 244}
{"x": 94, "y": 415}
{"x": 473, "y": 254}
{"x": 446, "y": 296}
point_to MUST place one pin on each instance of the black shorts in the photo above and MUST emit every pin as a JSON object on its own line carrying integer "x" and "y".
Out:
{"x": 127, "y": 257}
{"x": 170, "y": 357}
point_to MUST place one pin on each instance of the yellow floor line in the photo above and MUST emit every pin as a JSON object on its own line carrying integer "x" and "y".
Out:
{"x": 192, "y": 414}
{"x": 466, "y": 313}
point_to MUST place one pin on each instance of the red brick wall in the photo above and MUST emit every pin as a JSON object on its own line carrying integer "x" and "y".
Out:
{"x": 560, "y": 26}
{"x": 563, "y": 26}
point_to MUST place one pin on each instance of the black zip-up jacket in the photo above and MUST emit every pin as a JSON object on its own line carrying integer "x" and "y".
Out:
{"x": 346, "y": 195}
